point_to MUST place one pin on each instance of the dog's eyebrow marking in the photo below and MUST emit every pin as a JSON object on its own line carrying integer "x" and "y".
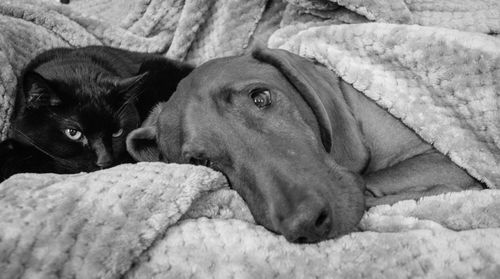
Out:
{"x": 226, "y": 93}
{"x": 240, "y": 85}
{"x": 221, "y": 98}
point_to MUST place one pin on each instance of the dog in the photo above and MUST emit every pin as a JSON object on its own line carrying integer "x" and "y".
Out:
{"x": 301, "y": 146}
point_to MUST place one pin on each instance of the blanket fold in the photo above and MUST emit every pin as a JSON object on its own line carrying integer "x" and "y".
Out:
{"x": 94, "y": 225}
{"x": 482, "y": 16}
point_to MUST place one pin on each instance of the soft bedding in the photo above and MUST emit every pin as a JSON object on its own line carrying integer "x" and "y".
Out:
{"x": 435, "y": 66}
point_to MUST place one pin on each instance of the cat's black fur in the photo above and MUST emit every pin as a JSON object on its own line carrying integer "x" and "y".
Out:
{"x": 75, "y": 107}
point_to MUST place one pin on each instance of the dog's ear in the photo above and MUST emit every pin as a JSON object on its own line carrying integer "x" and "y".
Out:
{"x": 304, "y": 76}
{"x": 142, "y": 143}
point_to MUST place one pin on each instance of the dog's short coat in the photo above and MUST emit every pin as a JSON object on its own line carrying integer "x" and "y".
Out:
{"x": 300, "y": 145}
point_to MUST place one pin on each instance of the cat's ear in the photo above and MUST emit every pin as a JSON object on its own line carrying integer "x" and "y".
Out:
{"x": 166, "y": 71}
{"x": 126, "y": 84}
{"x": 142, "y": 142}
{"x": 129, "y": 88}
{"x": 164, "y": 75}
{"x": 38, "y": 92}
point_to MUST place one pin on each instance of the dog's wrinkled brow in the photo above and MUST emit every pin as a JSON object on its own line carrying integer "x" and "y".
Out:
{"x": 226, "y": 91}
{"x": 224, "y": 94}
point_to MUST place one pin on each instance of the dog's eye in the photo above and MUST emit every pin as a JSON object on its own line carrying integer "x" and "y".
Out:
{"x": 73, "y": 134}
{"x": 261, "y": 97}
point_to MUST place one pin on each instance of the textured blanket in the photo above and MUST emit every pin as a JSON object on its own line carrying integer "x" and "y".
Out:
{"x": 478, "y": 16}
{"x": 153, "y": 220}
{"x": 150, "y": 220}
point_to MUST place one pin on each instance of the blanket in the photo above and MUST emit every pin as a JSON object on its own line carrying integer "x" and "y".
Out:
{"x": 479, "y": 16}
{"x": 155, "y": 220}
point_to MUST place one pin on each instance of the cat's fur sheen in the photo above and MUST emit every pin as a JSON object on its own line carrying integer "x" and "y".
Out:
{"x": 98, "y": 93}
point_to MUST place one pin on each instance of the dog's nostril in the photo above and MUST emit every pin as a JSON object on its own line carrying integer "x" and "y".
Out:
{"x": 322, "y": 218}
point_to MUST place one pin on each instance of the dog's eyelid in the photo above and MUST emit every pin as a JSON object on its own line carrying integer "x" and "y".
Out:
{"x": 258, "y": 89}
{"x": 256, "y": 86}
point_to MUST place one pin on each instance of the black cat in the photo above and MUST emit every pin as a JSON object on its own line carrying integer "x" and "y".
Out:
{"x": 75, "y": 107}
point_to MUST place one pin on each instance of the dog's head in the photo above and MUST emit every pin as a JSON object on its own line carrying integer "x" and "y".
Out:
{"x": 276, "y": 125}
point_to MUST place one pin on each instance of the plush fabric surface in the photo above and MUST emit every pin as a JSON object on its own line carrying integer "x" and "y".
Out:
{"x": 94, "y": 225}
{"x": 478, "y": 16}
{"x": 155, "y": 220}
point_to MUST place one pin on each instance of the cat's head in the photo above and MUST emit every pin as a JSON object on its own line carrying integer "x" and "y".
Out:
{"x": 80, "y": 121}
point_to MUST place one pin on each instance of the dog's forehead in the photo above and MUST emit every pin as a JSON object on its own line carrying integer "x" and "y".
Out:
{"x": 232, "y": 72}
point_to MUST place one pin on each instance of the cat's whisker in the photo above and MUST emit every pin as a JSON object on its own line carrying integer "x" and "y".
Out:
{"x": 32, "y": 142}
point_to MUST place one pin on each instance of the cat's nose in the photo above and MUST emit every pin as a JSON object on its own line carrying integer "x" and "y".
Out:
{"x": 104, "y": 161}
{"x": 104, "y": 165}
{"x": 103, "y": 153}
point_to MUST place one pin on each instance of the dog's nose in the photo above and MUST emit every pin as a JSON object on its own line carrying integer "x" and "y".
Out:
{"x": 310, "y": 222}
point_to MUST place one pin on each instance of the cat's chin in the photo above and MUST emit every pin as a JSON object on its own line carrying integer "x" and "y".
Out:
{"x": 74, "y": 168}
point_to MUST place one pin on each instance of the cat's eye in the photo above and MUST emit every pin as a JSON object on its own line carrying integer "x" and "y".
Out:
{"x": 261, "y": 97}
{"x": 73, "y": 134}
{"x": 118, "y": 133}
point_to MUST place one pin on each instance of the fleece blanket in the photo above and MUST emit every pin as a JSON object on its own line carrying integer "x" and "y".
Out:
{"x": 480, "y": 16}
{"x": 154, "y": 220}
